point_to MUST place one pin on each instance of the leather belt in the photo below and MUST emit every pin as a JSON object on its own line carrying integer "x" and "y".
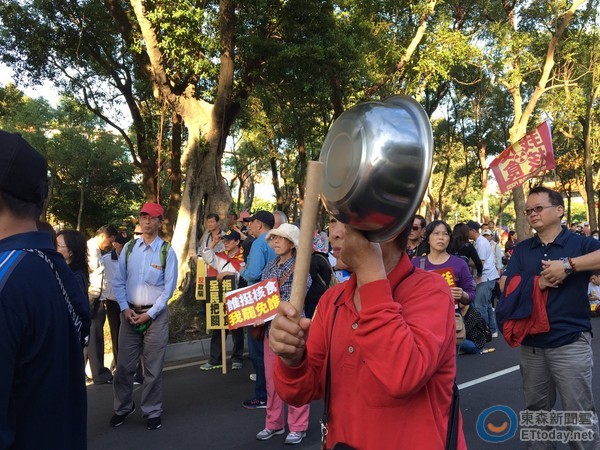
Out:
{"x": 132, "y": 306}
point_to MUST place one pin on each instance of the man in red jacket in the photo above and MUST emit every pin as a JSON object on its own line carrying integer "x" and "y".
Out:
{"x": 391, "y": 337}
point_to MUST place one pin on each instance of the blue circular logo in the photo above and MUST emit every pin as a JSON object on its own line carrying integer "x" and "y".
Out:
{"x": 497, "y": 424}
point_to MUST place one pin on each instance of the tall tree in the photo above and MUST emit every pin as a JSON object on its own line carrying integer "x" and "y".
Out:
{"x": 76, "y": 45}
{"x": 527, "y": 37}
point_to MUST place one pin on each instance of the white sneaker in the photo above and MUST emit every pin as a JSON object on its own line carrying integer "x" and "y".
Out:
{"x": 495, "y": 334}
{"x": 253, "y": 376}
{"x": 295, "y": 437}
{"x": 268, "y": 434}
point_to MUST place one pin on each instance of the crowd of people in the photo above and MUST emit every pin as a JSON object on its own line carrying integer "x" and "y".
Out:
{"x": 382, "y": 347}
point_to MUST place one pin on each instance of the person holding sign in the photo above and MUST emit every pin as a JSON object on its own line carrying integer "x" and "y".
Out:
{"x": 284, "y": 241}
{"x": 380, "y": 350}
{"x": 226, "y": 263}
{"x": 453, "y": 269}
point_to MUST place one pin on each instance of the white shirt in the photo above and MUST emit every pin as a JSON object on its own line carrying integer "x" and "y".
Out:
{"x": 96, "y": 267}
{"x": 140, "y": 279}
{"x": 484, "y": 250}
{"x": 111, "y": 266}
{"x": 207, "y": 239}
{"x": 498, "y": 254}
{"x": 594, "y": 291}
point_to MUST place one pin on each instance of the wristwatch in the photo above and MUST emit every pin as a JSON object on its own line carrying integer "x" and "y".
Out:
{"x": 567, "y": 265}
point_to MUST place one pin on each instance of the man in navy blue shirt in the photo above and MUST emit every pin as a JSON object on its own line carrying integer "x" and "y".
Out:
{"x": 559, "y": 359}
{"x": 42, "y": 323}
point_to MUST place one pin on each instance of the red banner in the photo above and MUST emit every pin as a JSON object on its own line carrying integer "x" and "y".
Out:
{"x": 526, "y": 158}
{"x": 246, "y": 305}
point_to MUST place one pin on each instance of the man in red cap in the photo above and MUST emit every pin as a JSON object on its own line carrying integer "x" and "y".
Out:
{"x": 144, "y": 282}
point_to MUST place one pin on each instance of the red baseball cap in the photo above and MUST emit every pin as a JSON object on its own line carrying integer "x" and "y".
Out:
{"x": 152, "y": 209}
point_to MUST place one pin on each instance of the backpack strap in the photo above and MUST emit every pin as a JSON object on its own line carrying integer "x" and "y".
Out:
{"x": 164, "y": 252}
{"x": 128, "y": 249}
{"x": 8, "y": 262}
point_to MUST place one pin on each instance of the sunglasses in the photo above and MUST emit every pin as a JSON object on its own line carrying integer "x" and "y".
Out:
{"x": 416, "y": 228}
{"x": 537, "y": 209}
{"x": 138, "y": 233}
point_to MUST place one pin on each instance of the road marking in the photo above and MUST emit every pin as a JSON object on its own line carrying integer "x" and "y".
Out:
{"x": 491, "y": 376}
{"x": 181, "y": 366}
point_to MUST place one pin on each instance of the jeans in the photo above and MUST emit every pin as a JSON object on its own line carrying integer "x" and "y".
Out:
{"x": 469, "y": 347}
{"x": 568, "y": 370}
{"x": 483, "y": 303}
{"x": 256, "y": 351}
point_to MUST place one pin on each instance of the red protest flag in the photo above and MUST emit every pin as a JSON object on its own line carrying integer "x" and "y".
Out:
{"x": 531, "y": 155}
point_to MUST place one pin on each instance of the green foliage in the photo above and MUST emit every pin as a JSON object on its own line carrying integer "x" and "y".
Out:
{"x": 262, "y": 204}
{"x": 82, "y": 158}
{"x": 297, "y": 63}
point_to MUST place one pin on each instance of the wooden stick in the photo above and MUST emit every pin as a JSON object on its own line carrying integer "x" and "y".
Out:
{"x": 224, "y": 350}
{"x": 314, "y": 180}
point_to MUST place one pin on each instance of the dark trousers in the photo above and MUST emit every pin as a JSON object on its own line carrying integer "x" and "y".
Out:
{"x": 257, "y": 355}
{"x": 113, "y": 313}
{"x": 94, "y": 352}
{"x": 237, "y": 355}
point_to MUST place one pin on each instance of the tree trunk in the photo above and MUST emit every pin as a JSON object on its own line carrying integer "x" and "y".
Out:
{"x": 275, "y": 182}
{"x": 523, "y": 112}
{"x": 175, "y": 175}
{"x": 586, "y": 123}
{"x": 208, "y": 126}
{"x": 248, "y": 194}
{"x": 81, "y": 199}
{"x": 484, "y": 181}
{"x": 203, "y": 193}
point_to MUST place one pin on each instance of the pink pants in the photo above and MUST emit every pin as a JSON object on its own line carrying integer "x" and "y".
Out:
{"x": 297, "y": 417}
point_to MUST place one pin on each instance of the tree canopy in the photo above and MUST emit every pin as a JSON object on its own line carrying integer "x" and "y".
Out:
{"x": 270, "y": 77}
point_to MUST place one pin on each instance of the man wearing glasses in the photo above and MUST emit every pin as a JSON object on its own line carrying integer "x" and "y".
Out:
{"x": 416, "y": 246}
{"x": 557, "y": 354}
{"x": 144, "y": 282}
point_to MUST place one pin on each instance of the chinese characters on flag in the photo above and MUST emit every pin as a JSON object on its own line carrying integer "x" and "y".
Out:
{"x": 203, "y": 270}
{"x": 259, "y": 301}
{"x": 447, "y": 274}
{"x": 530, "y": 156}
{"x": 216, "y": 314}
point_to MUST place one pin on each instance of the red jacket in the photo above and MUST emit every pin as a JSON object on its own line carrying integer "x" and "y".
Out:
{"x": 392, "y": 365}
{"x": 520, "y": 290}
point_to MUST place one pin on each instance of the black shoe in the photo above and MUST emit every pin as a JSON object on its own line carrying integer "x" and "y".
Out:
{"x": 109, "y": 381}
{"x": 154, "y": 423}
{"x": 254, "y": 403}
{"x": 118, "y": 419}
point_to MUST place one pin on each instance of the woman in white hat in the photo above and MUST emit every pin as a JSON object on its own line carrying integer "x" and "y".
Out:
{"x": 284, "y": 241}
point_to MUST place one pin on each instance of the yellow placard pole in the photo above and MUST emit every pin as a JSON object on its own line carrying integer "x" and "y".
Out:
{"x": 224, "y": 350}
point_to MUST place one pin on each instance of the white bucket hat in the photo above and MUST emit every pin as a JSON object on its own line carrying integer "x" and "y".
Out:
{"x": 288, "y": 231}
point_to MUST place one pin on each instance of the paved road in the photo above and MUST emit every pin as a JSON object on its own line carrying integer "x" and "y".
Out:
{"x": 202, "y": 409}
